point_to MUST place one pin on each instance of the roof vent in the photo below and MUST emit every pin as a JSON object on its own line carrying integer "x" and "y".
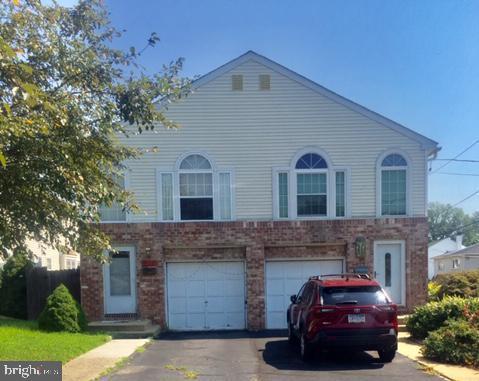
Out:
{"x": 237, "y": 82}
{"x": 264, "y": 82}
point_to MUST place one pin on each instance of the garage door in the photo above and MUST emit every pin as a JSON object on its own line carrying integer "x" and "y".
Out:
{"x": 206, "y": 295}
{"x": 285, "y": 278}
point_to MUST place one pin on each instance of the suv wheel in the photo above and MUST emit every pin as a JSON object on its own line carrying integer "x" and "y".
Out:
{"x": 305, "y": 349}
{"x": 387, "y": 355}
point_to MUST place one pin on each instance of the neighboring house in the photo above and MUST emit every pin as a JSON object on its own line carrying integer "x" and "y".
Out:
{"x": 443, "y": 246}
{"x": 457, "y": 261}
{"x": 52, "y": 259}
{"x": 271, "y": 179}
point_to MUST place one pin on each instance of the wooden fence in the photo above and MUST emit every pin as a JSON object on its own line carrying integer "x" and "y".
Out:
{"x": 41, "y": 283}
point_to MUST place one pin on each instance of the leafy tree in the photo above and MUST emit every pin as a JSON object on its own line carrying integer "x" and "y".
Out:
{"x": 65, "y": 94}
{"x": 448, "y": 221}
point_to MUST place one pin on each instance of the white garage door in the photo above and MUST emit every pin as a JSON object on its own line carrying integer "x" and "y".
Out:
{"x": 206, "y": 295}
{"x": 285, "y": 278}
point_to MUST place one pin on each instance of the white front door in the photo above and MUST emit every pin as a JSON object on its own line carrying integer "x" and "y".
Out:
{"x": 119, "y": 281}
{"x": 285, "y": 278}
{"x": 206, "y": 295}
{"x": 389, "y": 268}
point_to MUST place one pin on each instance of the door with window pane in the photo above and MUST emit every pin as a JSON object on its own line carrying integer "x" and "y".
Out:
{"x": 119, "y": 281}
{"x": 388, "y": 268}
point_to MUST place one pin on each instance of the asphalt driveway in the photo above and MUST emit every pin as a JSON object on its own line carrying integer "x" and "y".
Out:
{"x": 255, "y": 357}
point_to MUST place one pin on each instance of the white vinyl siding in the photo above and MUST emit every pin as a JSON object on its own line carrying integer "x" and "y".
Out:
{"x": 254, "y": 131}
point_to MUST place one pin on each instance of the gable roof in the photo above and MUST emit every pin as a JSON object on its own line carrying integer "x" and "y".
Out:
{"x": 430, "y": 145}
{"x": 472, "y": 250}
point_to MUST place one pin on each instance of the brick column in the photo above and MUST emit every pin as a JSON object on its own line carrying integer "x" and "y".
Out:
{"x": 255, "y": 287}
{"x": 91, "y": 280}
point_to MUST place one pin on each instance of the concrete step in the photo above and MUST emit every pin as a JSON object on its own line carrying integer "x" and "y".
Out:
{"x": 402, "y": 319}
{"x": 402, "y": 328}
{"x": 151, "y": 331}
{"x": 120, "y": 326}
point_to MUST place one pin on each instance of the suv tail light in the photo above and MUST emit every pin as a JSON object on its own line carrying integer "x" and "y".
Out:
{"x": 392, "y": 313}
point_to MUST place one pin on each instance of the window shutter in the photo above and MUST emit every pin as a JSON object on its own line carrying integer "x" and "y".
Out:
{"x": 280, "y": 194}
{"x": 165, "y": 196}
{"x": 225, "y": 195}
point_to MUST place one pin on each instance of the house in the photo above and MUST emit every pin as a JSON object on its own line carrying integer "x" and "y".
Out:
{"x": 457, "y": 261}
{"x": 443, "y": 246}
{"x": 49, "y": 257}
{"x": 271, "y": 178}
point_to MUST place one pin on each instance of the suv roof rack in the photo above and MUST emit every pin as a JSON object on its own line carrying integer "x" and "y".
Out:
{"x": 342, "y": 275}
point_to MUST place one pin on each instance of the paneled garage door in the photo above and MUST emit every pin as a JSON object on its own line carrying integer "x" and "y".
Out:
{"x": 206, "y": 295}
{"x": 284, "y": 278}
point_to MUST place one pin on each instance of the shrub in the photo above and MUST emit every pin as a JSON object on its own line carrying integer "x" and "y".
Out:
{"x": 433, "y": 315}
{"x": 13, "y": 290}
{"x": 433, "y": 290}
{"x": 465, "y": 284}
{"x": 457, "y": 343}
{"x": 62, "y": 313}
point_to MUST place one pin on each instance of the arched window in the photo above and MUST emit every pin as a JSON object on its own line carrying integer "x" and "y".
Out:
{"x": 196, "y": 188}
{"x": 393, "y": 172}
{"x": 311, "y": 185}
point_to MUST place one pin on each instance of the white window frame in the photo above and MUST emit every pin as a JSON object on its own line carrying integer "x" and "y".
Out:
{"x": 330, "y": 186}
{"x": 379, "y": 171}
{"x": 215, "y": 171}
{"x": 126, "y": 177}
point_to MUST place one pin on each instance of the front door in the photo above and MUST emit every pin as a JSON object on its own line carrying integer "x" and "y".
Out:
{"x": 119, "y": 281}
{"x": 389, "y": 268}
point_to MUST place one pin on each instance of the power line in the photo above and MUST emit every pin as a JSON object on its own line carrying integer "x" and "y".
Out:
{"x": 460, "y": 228}
{"x": 455, "y": 157}
{"x": 457, "y": 174}
{"x": 467, "y": 198}
{"x": 458, "y": 160}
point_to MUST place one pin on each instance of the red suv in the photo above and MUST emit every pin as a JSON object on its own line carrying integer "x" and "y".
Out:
{"x": 347, "y": 311}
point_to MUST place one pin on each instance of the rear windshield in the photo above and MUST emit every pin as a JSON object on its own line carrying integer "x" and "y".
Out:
{"x": 360, "y": 295}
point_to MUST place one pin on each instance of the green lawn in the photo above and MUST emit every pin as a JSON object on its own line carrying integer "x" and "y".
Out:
{"x": 22, "y": 340}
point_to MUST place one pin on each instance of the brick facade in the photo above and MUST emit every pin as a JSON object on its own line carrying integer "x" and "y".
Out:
{"x": 254, "y": 242}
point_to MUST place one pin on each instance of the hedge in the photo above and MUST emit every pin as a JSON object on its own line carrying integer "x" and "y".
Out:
{"x": 434, "y": 315}
{"x": 457, "y": 342}
{"x": 465, "y": 284}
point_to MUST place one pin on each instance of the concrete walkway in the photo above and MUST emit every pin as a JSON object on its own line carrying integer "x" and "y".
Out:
{"x": 92, "y": 364}
{"x": 411, "y": 349}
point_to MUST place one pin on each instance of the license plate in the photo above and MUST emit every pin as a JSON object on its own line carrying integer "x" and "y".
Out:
{"x": 356, "y": 318}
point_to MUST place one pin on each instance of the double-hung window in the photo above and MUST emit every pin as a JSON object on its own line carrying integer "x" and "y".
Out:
{"x": 114, "y": 212}
{"x": 196, "y": 191}
{"x": 196, "y": 188}
{"x": 310, "y": 188}
{"x": 393, "y": 185}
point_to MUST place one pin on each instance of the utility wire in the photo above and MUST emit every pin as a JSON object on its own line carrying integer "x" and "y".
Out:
{"x": 455, "y": 157}
{"x": 460, "y": 228}
{"x": 457, "y": 174}
{"x": 467, "y": 198}
{"x": 458, "y": 160}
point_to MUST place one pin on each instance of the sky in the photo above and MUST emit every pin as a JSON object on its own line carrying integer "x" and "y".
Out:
{"x": 415, "y": 62}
